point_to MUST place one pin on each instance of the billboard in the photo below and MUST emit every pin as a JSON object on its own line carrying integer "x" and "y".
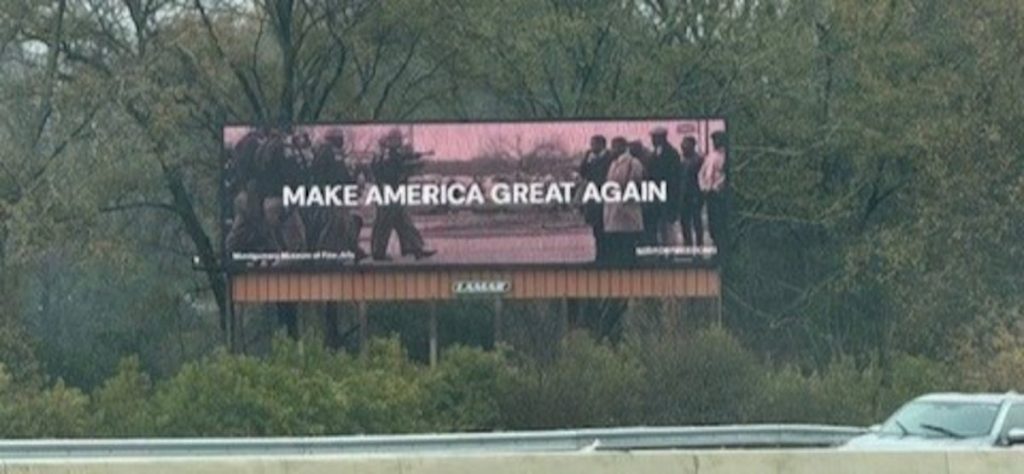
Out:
{"x": 608, "y": 193}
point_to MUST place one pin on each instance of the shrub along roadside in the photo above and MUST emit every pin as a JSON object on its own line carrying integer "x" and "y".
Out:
{"x": 707, "y": 377}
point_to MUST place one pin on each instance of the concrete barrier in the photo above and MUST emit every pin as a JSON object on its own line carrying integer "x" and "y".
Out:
{"x": 674, "y": 462}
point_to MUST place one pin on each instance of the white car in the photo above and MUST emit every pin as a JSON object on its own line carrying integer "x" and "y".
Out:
{"x": 949, "y": 421}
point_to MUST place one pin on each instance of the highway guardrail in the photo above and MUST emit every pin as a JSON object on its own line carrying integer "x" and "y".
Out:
{"x": 595, "y": 439}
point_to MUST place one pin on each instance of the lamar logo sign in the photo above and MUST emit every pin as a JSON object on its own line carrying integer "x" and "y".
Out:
{"x": 481, "y": 287}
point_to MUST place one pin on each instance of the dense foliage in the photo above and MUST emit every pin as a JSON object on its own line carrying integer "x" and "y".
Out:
{"x": 876, "y": 240}
{"x": 302, "y": 389}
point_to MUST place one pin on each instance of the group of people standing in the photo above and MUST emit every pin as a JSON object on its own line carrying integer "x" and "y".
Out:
{"x": 265, "y": 160}
{"x": 693, "y": 182}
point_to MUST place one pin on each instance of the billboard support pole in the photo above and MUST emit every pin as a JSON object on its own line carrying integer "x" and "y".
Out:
{"x": 364, "y": 330}
{"x": 239, "y": 317}
{"x": 670, "y": 308}
{"x": 234, "y": 327}
{"x": 498, "y": 322}
{"x": 564, "y": 309}
{"x": 237, "y": 322}
{"x": 433, "y": 333}
{"x": 229, "y": 328}
{"x": 573, "y": 318}
{"x": 228, "y": 318}
{"x": 718, "y": 311}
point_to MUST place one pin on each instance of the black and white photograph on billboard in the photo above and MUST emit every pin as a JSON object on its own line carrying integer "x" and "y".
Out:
{"x": 622, "y": 193}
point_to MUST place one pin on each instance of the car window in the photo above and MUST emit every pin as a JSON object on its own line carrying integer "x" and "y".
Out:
{"x": 943, "y": 419}
{"x": 1014, "y": 419}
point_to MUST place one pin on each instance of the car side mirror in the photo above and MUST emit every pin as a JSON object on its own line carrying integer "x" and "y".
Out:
{"x": 1015, "y": 436}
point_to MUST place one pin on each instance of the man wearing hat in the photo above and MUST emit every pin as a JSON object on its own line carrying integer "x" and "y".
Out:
{"x": 249, "y": 231}
{"x": 623, "y": 221}
{"x": 275, "y": 170}
{"x": 692, "y": 202}
{"x": 594, "y": 169}
{"x": 392, "y": 168}
{"x": 333, "y": 228}
{"x": 665, "y": 167}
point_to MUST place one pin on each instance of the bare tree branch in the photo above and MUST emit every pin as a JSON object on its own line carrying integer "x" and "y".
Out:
{"x": 50, "y": 79}
{"x": 385, "y": 94}
{"x": 160, "y": 206}
{"x": 256, "y": 100}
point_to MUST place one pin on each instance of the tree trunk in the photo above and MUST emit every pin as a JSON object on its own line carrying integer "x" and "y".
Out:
{"x": 205, "y": 251}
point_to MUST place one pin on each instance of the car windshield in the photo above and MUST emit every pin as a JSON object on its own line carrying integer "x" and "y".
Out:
{"x": 943, "y": 419}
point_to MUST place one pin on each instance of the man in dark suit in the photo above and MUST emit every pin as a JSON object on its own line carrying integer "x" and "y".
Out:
{"x": 692, "y": 202}
{"x": 594, "y": 169}
{"x": 665, "y": 167}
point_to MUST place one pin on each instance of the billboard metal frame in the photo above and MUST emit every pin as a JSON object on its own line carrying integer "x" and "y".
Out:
{"x": 232, "y": 270}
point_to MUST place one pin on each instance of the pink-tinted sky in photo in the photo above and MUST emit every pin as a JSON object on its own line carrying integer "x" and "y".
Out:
{"x": 463, "y": 141}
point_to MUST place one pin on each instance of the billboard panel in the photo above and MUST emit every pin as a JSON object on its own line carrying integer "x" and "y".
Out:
{"x": 610, "y": 193}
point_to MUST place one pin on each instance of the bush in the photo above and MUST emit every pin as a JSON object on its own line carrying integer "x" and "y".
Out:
{"x": 464, "y": 393}
{"x": 227, "y": 395}
{"x": 384, "y": 391}
{"x": 122, "y": 406}
{"x": 912, "y": 376}
{"x": 994, "y": 359}
{"x": 706, "y": 377}
{"x": 297, "y": 391}
{"x": 18, "y": 355}
{"x": 842, "y": 393}
{"x": 30, "y": 412}
{"x": 586, "y": 385}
